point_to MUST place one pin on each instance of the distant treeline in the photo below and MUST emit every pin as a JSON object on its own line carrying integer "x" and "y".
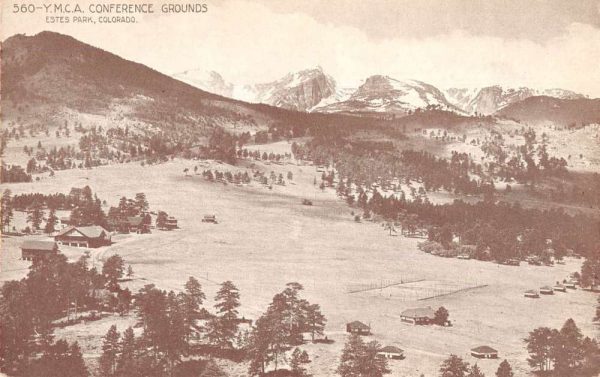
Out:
{"x": 506, "y": 230}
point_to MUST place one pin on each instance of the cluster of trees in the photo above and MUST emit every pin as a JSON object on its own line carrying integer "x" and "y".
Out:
{"x": 57, "y": 201}
{"x": 566, "y": 352}
{"x": 227, "y": 176}
{"x": 455, "y": 366}
{"x": 359, "y": 359}
{"x": 88, "y": 209}
{"x": 53, "y": 289}
{"x": 281, "y": 328}
{"x": 522, "y": 166}
{"x": 13, "y": 174}
{"x": 170, "y": 324}
{"x": 499, "y": 231}
{"x": 366, "y": 163}
{"x": 256, "y": 155}
{"x": 138, "y": 206}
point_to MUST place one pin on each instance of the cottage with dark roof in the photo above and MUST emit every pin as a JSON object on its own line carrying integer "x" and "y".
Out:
{"x": 418, "y": 316}
{"x": 391, "y": 352}
{"x": 84, "y": 236}
{"x": 358, "y": 327}
{"x": 484, "y": 352}
{"x": 31, "y": 250}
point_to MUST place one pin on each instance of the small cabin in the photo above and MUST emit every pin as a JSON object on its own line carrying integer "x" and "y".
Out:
{"x": 484, "y": 352}
{"x": 33, "y": 250}
{"x": 532, "y": 294}
{"x": 171, "y": 223}
{"x": 210, "y": 219}
{"x": 546, "y": 290}
{"x": 571, "y": 284}
{"x": 391, "y": 352}
{"x": 418, "y": 316}
{"x": 560, "y": 288}
{"x": 358, "y": 327}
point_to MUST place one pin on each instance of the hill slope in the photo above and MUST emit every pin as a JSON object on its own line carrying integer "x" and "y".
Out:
{"x": 52, "y": 77}
{"x": 560, "y": 111}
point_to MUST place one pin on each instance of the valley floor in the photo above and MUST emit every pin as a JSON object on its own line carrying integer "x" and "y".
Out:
{"x": 267, "y": 238}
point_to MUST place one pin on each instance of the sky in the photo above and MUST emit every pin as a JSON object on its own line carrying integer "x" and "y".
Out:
{"x": 448, "y": 43}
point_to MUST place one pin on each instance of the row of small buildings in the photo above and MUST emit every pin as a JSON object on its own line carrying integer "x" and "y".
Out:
{"x": 415, "y": 316}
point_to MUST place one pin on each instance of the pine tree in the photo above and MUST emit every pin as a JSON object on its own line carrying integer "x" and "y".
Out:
{"x": 110, "y": 350}
{"x": 227, "y": 301}
{"x": 112, "y": 270}
{"x": 35, "y": 215}
{"x": 504, "y": 370}
{"x": 75, "y": 367}
{"x": 540, "y": 345}
{"x": 192, "y": 300}
{"x": 315, "y": 320}
{"x": 568, "y": 353}
{"x": 51, "y": 222}
{"x": 6, "y": 210}
{"x": 140, "y": 202}
{"x": 360, "y": 359}
{"x": 126, "y": 361}
{"x": 454, "y": 366}
{"x": 297, "y": 361}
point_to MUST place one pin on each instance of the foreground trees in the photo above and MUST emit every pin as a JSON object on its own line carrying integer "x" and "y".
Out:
{"x": 281, "y": 328}
{"x": 565, "y": 351}
{"x": 29, "y": 306}
{"x": 360, "y": 360}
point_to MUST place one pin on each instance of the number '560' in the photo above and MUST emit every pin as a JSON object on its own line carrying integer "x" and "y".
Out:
{"x": 23, "y": 8}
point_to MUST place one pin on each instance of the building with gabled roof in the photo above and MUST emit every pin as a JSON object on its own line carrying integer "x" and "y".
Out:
{"x": 84, "y": 236}
{"x": 391, "y": 352}
{"x": 357, "y": 327}
{"x": 418, "y": 316}
{"x": 484, "y": 352}
{"x": 34, "y": 249}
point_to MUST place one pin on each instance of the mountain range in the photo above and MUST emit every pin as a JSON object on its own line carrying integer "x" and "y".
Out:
{"x": 50, "y": 77}
{"x": 313, "y": 90}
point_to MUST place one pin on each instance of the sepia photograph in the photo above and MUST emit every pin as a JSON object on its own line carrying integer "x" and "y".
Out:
{"x": 300, "y": 188}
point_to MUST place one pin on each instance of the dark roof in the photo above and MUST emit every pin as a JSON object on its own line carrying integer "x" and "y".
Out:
{"x": 427, "y": 312}
{"x": 483, "y": 349}
{"x": 93, "y": 231}
{"x": 391, "y": 349}
{"x": 358, "y": 325}
{"x": 39, "y": 245}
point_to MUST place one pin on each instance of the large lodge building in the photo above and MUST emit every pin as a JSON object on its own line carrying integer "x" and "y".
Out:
{"x": 84, "y": 236}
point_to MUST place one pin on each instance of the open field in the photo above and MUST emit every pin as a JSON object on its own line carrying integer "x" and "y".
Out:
{"x": 266, "y": 238}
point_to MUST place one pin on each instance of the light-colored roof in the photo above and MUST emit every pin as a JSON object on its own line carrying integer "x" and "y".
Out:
{"x": 135, "y": 220}
{"x": 483, "y": 349}
{"x": 427, "y": 312}
{"x": 93, "y": 231}
{"x": 39, "y": 245}
{"x": 391, "y": 349}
